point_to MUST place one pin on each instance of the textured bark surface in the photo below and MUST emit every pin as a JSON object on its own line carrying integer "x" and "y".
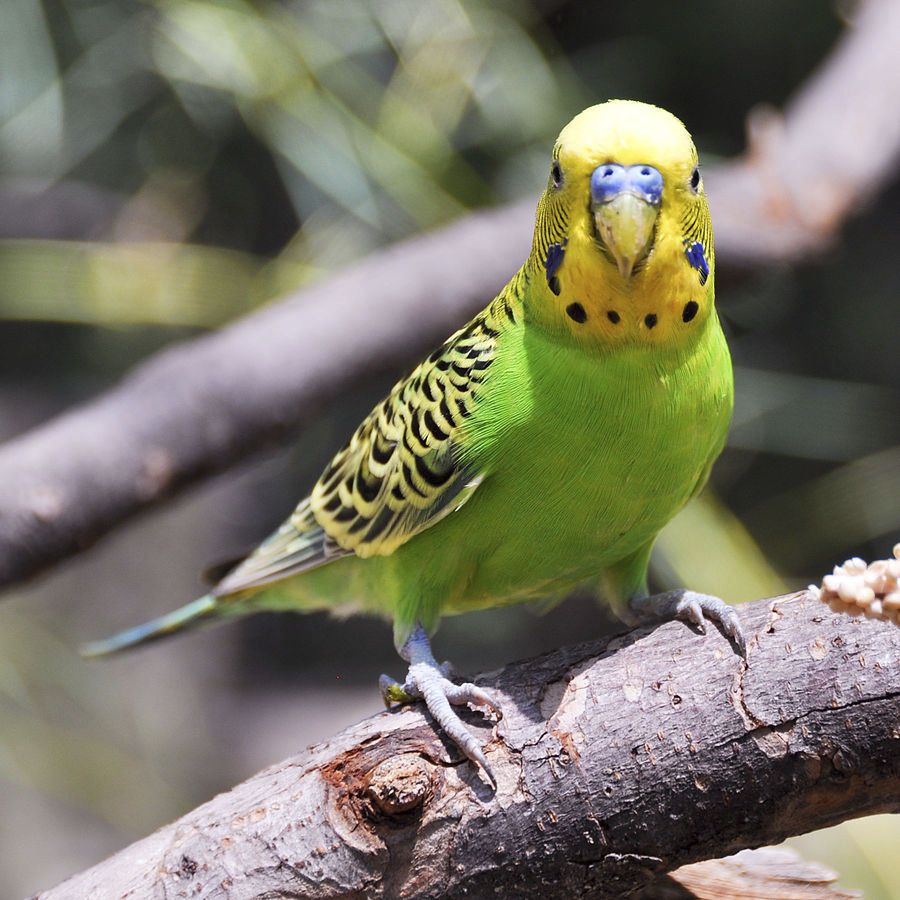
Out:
{"x": 617, "y": 761}
{"x": 196, "y": 409}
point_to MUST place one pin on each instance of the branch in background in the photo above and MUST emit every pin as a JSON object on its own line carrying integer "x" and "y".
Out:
{"x": 617, "y": 761}
{"x": 196, "y": 409}
{"x": 832, "y": 149}
{"x": 65, "y": 211}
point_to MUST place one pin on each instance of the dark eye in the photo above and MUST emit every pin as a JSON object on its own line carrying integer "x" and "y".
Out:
{"x": 695, "y": 179}
{"x": 556, "y": 174}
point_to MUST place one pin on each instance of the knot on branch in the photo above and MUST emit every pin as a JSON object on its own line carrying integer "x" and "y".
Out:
{"x": 400, "y": 784}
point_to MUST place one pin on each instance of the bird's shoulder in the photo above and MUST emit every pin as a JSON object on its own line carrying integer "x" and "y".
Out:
{"x": 402, "y": 470}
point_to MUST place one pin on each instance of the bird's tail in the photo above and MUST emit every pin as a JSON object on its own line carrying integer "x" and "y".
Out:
{"x": 189, "y": 616}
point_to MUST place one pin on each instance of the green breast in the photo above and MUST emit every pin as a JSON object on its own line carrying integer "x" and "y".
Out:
{"x": 588, "y": 458}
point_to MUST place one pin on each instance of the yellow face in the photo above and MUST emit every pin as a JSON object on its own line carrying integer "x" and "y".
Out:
{"x": 622, "y": 248}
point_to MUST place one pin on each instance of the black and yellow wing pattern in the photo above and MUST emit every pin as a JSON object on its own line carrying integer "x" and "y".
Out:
{"x": 399, "y": 473}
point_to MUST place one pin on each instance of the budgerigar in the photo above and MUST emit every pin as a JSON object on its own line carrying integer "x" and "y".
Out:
{"x": 544, "y": 445}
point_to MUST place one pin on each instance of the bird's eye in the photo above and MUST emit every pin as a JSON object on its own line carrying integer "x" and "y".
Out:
{"x": 695, "y": 179}
{"x": 556, "y": 174}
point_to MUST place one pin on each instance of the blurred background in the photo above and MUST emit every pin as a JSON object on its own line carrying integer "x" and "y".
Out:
{"x": 168, "y": 166}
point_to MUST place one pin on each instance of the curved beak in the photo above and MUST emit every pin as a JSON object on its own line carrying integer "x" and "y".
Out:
{"x": 625, "y": 205}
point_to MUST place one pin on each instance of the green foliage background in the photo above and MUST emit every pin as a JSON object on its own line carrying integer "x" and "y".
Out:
{"x": 168, "y": 166}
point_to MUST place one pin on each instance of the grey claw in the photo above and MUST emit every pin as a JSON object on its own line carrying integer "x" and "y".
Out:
{"x": 471, "y": 694}
{"x": 428, "y": 681}
{"x": 697, "y": 609}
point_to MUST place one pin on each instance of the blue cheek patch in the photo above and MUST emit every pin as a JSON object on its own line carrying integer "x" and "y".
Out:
{"x": 697, "y": 258}
{"x": 555, "y": 254}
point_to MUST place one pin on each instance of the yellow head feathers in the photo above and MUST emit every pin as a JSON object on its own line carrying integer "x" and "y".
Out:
{"x": 623, "y": 239}
{"x": 629, "y": 133}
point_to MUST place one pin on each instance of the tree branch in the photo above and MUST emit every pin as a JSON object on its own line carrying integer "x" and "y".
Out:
{"x": 617, "y": 761}
{"x": 197, "y": 408}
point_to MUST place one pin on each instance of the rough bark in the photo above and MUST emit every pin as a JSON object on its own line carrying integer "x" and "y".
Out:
{"x": 617, "y": 761}
{"x": 200, "y": 407}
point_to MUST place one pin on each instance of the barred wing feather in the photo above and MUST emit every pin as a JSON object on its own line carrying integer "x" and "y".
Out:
{"x": 399, "y": 474}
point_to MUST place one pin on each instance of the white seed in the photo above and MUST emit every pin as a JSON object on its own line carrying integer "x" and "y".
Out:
{"x": 891, "y": 601}
{"x": 874, "y": 580}
{"x": 875, "y": 608}
{"x": 896, "y": 551}
{"x": 864, "y": 596}
{"x": 855, "y": 566}
{"x": 847, "y": 589}
{"x": 831, "y": 583}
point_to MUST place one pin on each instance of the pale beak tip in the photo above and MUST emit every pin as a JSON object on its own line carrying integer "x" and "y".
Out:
{"x": 626, "y": 266}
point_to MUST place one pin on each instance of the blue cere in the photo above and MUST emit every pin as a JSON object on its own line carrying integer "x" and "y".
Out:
{"x": 611, "y": 179}
{"x": 697, "y": 258}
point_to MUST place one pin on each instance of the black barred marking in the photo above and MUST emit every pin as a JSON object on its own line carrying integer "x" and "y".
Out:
{"x": 435, "y": 479}
{"x": 368, "y": 490}
{"x": 406, "y": 444}
{"x": 416, "y": 428}
{"x": 613, "y": 317}
{"x": 460, "y": 370}
{"x": 408, "y": 480}
{"x": 345, "y": 514}
{"x": 507, "y": 308}
{"x": 650, "y": 320}
{"x": 463, "y": 409}
{"x": 445, "y": 412}
{"x": 482, "y": 364}
{"x": 576, "y": 312}
{"x": 333, "y": 503}
{"x": 426, "y": 389}
{"x": 689, "y": 311}
{"x": 397, "y": 492}
{"x": 333, "y": 473}
{"x": 382, "y": 520}
{"x": 554, "y": 285}
{"x": 437, "y": 432}
{"x": 358, "y": 525}
{"x": 382, "y": 456}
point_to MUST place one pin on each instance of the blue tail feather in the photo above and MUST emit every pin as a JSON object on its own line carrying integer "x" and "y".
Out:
{"x": 187, "y": 616}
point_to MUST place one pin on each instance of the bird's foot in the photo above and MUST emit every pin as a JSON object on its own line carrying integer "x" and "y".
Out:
{"x": 428, "y": 681}
{"x": 693, "y": 607}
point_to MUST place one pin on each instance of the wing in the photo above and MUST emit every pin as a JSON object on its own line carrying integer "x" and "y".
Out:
{"x": 399, "y": 473}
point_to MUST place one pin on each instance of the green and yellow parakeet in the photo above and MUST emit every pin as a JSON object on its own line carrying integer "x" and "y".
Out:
{"x": 544, "y": 445}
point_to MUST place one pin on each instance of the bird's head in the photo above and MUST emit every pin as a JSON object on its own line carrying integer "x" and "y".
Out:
{"x": 623, "y": 238}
